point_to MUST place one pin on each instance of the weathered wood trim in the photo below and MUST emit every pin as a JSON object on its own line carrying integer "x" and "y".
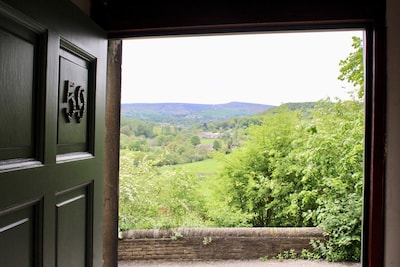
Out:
{"x": 111, "y": 154}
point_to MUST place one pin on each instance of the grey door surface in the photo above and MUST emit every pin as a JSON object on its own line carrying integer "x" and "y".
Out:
{"x": 52, "y": 89}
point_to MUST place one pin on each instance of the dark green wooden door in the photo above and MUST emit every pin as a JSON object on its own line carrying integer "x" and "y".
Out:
{"x": 52, "y": 88}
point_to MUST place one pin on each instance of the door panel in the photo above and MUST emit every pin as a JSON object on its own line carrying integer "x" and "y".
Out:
{"x": 52, "y": 89}
{"x": 19, "y": 224}
{"x": 18, "y": 45}
{"x": 76, "y": 91}
{"x": 73, "y": 235}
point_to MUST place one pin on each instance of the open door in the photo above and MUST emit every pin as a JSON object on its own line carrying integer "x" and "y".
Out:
{"x": 52, "y": 90}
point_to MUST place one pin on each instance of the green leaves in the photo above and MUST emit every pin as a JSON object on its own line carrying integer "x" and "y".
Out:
{"x": 352, "y": 68}
{"x": 151, "y": 198}
{"x": 304, "y": 170}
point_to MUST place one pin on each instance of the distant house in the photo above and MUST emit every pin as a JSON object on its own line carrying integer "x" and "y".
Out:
{"x": 209, "y": 135}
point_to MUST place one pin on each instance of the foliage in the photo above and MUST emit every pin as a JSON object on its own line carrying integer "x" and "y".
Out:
{"x": 297, "y": 171}
{"x": 216, "y": 145}
{"x": 339, "y": 162}
{"x": 303, "y": 106}
{"x": 218, "y": 208}
{"x": 249, "y": 168}
{"x": 176, "y": 236}
{"x": 207, "y": 240}
{"x": 150, "y": 198}
{"x": 352, "y": 68}
{"x": 136, "y": 127}
{"x": 285, "y": 255}
{"x": 309, "y": 255}
{"x": 169, "y": 197}
{"x": 188, "y": 114}
{"x": 195, "y": 140}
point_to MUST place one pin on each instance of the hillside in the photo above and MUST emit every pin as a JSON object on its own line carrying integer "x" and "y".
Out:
{"x": 184, "y": 113}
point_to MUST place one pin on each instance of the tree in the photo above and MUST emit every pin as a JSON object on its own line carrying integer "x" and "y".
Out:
{"x": 126, "y": 130}
{"x": 261, "y": 181}
{"x": 352, "y": 67}
{"x": 334, "y": 164}
{"x": 195, "y": 140}
{"x": 216, "y": 145}
{"x": 304, "y": 169}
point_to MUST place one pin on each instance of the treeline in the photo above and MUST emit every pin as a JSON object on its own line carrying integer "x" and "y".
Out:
{"x": 182, "y": 144}
{"x": 186, "y": 114}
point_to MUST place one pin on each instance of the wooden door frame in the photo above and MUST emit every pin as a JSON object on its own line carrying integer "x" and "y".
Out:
{"x": 111, "y": 155}
{"x": 373, "y": 21}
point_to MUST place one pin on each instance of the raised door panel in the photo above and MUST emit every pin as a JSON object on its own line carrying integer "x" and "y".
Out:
{"x": 76, "y": 99}
{"x": 19, "y": 76}
{"x": 73, "y": 227}
{"x": 19, "y": 236}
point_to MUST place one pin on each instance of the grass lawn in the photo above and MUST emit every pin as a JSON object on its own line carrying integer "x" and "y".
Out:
{"x": 201, "y": 168}
{"x": 205, "y": 141}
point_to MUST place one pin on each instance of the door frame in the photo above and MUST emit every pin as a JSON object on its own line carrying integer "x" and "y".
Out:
{"x": 375, "y": 108}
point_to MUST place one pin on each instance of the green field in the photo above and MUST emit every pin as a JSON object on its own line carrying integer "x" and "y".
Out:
{"x": 202, "y": 168}
{"x": 205, "y": 141}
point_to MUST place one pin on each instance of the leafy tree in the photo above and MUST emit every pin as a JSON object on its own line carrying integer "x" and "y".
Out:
{"x": 195, "y": 140}
{"x": 335, "y": 158}
{"x": 255, "y": 184}
{"x": 352, "y": 68}
{"x": 137, "y": 127}
{"x": 138, "y": 145}
{"x": 126, "y": 130}
{"x": 163, "y": 140}
{"x": 304, "y": 169}
{"x": 216, "y": 145}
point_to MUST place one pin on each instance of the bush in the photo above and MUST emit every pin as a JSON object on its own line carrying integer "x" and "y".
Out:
{"x": 150, "y": 198}
{"x": 304, "y": 171}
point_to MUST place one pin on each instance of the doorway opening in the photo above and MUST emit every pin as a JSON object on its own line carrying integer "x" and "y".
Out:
{"x": 275, "y": 141}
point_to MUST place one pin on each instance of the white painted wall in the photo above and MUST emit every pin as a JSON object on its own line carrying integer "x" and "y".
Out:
{"x": 392, "y": 217}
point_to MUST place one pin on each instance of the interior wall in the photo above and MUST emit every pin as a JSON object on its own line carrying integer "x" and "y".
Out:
{"x": 392, "y": 216}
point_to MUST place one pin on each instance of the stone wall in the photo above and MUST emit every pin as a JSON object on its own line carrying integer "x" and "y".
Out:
{"x": 197, "y": 244}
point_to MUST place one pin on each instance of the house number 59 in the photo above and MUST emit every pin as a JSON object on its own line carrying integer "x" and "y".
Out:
{"x": 75, "y": 98}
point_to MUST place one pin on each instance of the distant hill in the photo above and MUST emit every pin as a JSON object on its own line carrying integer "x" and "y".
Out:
{"x": 184, "y": 113}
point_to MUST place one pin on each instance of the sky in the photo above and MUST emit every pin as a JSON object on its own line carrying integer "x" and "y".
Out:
{"x": 272, "y": 68}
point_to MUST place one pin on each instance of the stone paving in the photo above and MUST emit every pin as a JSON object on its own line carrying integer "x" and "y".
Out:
{"x": 238, "y": 263}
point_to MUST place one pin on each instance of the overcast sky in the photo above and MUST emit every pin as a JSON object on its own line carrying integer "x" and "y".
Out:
{"x": 255, "y": 68}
